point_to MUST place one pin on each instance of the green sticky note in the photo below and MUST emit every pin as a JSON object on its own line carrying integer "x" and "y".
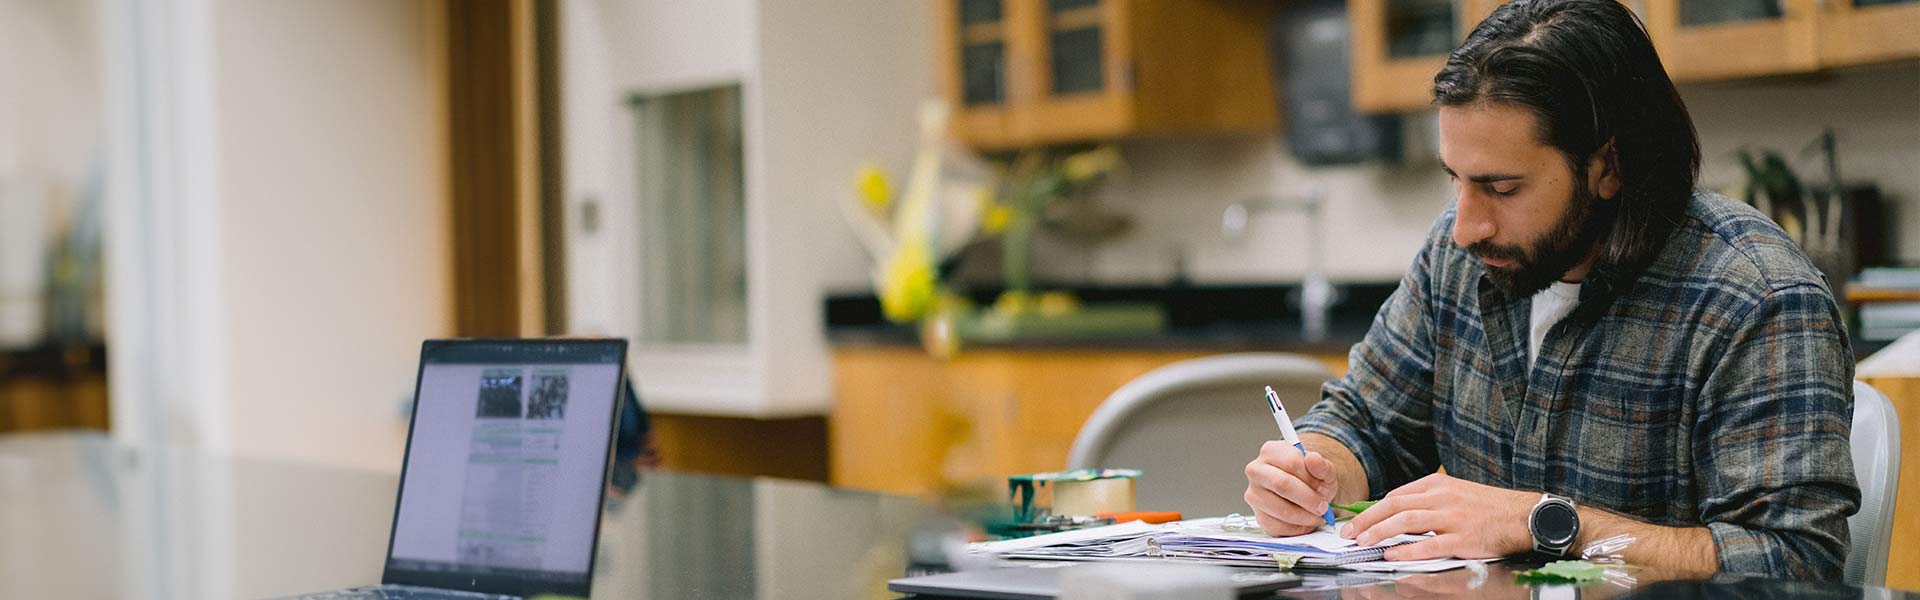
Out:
{"x": 1562, "y": 571}
{"x": 1357, "y": 507}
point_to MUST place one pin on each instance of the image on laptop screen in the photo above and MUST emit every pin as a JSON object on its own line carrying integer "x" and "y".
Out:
{"x": 506, "y": 463}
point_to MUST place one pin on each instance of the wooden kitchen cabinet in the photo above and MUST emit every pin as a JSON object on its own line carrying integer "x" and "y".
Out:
{"x": 1706, "y": 40}
{"x": 1398, "y": 46}
{"x": 1853, "y": 32}
{"x": 53, "y": 388}
{"x": 1895, "y": 372}
{"x": 1039, "y": 72}
{"x": 1395, "y": 57}
{"x": 906, "y": 423}
{"x": 1701, "y": 40}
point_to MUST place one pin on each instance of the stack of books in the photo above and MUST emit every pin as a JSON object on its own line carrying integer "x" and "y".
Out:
{"x": 1884, "y": 314}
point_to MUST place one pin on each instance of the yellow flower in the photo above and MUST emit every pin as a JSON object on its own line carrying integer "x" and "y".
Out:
{"x": 1054, "y": 304}
{"x": 1092, "y": 163}
{"x": 874, "y": 188}
{"x": 907, "y": 287}
{"x": 1013, "y": 304}
{"x": 996, "y": 219}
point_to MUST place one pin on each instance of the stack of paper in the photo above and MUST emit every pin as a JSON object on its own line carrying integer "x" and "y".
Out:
{"x": 1232, "y": 541}
{"x": 1218, "y": 540}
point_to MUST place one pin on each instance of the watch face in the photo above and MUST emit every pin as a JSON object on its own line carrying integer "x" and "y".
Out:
{"x": 1554, "y": 523}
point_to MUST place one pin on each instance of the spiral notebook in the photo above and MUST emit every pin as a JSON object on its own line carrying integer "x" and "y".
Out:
{"x": 1234, "y": 541}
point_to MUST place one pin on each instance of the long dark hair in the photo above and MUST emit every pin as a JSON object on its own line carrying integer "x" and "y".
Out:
{"x": 1588, "y": 72}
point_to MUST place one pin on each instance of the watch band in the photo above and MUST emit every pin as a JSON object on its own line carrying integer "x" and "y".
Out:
{"x": 1542, "y": 545}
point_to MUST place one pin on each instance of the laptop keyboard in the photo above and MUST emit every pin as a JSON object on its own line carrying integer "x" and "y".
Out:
{"x": 401, "y": 592}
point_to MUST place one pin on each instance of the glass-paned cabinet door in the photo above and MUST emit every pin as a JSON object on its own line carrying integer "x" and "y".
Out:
{"x": 690, "y": 186}
{"x": 1421, "y": 28}
{"x": 1398, "y": 45}
{"x": 1694, "y": 13}
{"x": 1720, "y": 39}
{"x": 1858, "y": 32}
{"x": 983, "y": 52}
{"x": 1076, "y": 57}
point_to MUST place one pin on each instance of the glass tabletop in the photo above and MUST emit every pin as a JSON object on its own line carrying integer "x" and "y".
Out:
{"x": 81, "y": 517}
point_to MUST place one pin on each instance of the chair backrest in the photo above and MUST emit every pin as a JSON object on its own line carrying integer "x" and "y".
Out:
{"x": 1192, "y": 426}
{"x": 1876, "y": 464}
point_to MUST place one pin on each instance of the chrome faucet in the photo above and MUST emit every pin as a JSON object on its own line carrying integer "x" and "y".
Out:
{"x": 1316, "y": 292}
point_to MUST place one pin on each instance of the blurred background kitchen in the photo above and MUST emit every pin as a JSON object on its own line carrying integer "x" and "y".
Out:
{"x": 905, "y": 246}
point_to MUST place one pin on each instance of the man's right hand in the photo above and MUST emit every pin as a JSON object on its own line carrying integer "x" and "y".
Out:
{"x": 1289, "y": 492}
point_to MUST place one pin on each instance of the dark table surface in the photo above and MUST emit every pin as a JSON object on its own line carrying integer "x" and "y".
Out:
{"x": 84, "y": 517}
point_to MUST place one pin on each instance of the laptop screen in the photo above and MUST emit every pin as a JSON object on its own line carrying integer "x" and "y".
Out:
{"x": 506, "y": 465}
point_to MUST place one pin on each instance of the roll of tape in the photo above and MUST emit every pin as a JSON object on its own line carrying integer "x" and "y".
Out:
{"x": 1093, "y": 497}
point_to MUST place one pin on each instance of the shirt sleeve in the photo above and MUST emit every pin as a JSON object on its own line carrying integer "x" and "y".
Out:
{"x": 1771, "y": 440}
{"x": 1382, "y": 410}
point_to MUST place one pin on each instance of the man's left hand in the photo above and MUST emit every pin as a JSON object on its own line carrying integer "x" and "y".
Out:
{"x": 1469, "y": 520}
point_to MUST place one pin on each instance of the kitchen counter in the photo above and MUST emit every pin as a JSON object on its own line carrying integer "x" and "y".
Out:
{"x": 1213, "y": 318}
{"x": 1250, "y": 336}
{"x": 906, "y": 422}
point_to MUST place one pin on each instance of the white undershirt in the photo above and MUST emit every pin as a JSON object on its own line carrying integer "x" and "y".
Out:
{"x": 1549, "y": 306}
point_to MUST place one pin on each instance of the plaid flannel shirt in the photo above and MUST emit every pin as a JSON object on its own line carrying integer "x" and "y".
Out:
{"x": 1714, "y": 389}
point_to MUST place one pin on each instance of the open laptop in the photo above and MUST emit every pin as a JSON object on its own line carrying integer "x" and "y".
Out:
{"x": 505, "y": 471}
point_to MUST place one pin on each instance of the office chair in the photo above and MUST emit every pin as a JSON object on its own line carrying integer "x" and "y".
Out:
{"x": 1876, "y": 463}
{"x": 1192, "y": 426}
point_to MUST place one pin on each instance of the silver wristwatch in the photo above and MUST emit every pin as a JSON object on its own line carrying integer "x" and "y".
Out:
{"x": 1554, "y": 524}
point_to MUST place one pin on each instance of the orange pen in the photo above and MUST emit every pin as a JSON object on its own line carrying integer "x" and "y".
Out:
{"x": 1151, "y": 517}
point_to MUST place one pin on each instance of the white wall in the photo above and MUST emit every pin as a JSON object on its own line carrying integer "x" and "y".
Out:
{"x": 841, "y": 86}
{"x": 1177, "y": 189}
{"x": 333, "y": 186}
{"x": 1875, "y": 110}
{"x": 274, "y": 279}
{"x": 50, "y": 139}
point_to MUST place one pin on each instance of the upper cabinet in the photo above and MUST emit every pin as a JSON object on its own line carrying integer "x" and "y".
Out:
{"x": 1398, "y": 45}
{"x": 1856, "y": 32}
{"x": 1723, "y": 39}
{"x": 1702, "y": 40}
{"x": 1035, "y": 72}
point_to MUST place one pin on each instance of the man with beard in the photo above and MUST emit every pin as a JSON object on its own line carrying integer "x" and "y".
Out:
{"x": 1585, "y": 347}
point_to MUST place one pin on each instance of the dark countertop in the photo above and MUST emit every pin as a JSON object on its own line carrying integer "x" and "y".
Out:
{"x": 53, "y": 361}
{"x": 1210, "y": 318}
{"x": 1223, "y": 318}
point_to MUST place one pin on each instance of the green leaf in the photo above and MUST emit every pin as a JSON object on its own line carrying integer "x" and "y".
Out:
{"x": 1357, "y": 507}
{"x": 1286, "y": 561}
{"x": 1562, "y": 571}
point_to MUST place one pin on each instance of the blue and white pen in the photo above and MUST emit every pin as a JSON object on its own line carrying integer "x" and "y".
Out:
{"x": 1287, "y": 434}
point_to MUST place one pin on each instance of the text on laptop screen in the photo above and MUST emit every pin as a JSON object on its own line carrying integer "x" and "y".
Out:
{"x": 506, "y": 460}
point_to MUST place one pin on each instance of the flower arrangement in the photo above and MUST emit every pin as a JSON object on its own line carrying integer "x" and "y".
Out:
{"x": 954, "y": 198}
{"x": 910, "y": 235}
{"x": 1029, "y": 188}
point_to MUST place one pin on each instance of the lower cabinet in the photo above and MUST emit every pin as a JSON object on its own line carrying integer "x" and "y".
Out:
{"x": 904, "y": 422}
